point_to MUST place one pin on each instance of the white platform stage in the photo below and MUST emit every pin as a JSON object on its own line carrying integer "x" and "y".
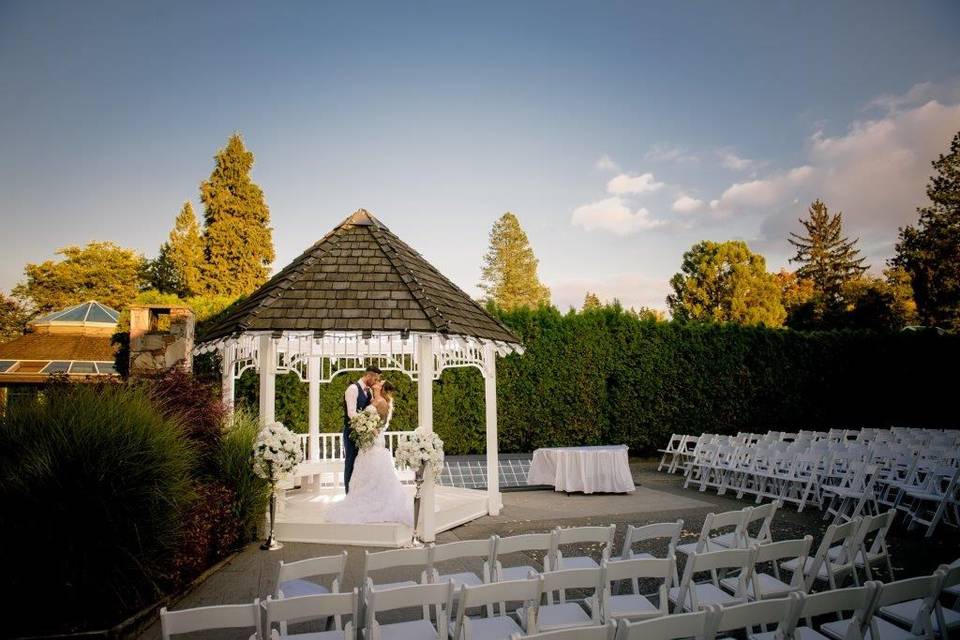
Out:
{"x": 301, "y": 518}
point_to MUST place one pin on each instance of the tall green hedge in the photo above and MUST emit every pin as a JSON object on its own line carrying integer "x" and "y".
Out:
{"x": 605, "y": 376}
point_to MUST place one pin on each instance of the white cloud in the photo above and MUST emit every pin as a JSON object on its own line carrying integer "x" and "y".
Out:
{"x": 670, "y": 153}
{"x": 613, "y": 215}
{"x": 686, "y": 204}
{"x": 631, "y": 289}
{"x": 606, "y": 163}
{"x": 625, "y": 183}
{"x": 730, "y": 160}
{"x": 767, "y": 192}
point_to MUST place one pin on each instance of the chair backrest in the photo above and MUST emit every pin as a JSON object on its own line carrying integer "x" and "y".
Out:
{"x": 634, "y": 535}
{"x": 861, "y": 600}
{"x": 418, "y": 557}
{"x": 764, "y": 514}
{"x": 843, "y": 534}
{"x": 799, "y": 549}
{"x": 463, "y": 549}
{"x": 487, "y": 596}
{"x": 716, "y": 521}
{"x": 741, "y": 559}
{"x": 311, "y": 567}
{"x": 421, "y": 596}
{"x": 544, "y": 542}
{"x": 924, "y": 588}
{"x": 584, "y": 535}
{"x": 684, "y": 625}
{"x": 761, "y": 612}
{"x": 559, "y": 581}
{"x": 635, "y": 569}
{"x": 311, "y": 608}
{"x": 873, "y": 530}
{"x": 224, "y": 616}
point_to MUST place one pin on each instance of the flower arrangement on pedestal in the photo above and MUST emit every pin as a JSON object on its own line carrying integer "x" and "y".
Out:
{"x": 365, "y": 427}
{"x": 421, "y": 452}
{"x": 276, "y": 454}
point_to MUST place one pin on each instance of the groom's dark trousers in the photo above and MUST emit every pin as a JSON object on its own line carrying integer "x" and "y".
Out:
{"x": 349, "y": 448}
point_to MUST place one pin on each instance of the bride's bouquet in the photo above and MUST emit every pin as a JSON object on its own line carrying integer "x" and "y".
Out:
{"x": 276, "y": 452}
{"x": 422, "y": 450}
{"x": 364, "y": 428}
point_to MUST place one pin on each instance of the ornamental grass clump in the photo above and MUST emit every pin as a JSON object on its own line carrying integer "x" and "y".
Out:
{"x": 234, "y": 468}
{"x": 94, "y": 483}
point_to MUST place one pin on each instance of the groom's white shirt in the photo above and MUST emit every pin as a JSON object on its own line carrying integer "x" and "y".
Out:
{"x": 350, "y": 397}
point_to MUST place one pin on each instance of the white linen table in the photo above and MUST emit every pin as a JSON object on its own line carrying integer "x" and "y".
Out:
{"x": 584, "y": 469}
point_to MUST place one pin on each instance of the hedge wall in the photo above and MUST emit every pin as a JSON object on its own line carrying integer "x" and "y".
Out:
{"x": 604, "y": 376}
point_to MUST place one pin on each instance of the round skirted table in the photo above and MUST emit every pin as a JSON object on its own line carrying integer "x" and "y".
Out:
{"x": 582, "y": 469}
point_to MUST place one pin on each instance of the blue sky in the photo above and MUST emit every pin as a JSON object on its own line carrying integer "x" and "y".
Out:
{"x": 619, "y": 133}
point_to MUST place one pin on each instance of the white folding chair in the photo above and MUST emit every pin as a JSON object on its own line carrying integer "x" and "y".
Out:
{"x": 698, "y": 625}
{"x": 292, "y": 576}
{"x": 224, "y": 616}
{"x": 481, "y": 550}
{"x": 745, "y": 617}
{"x": 908, "y": 613}
{"x": 635, "y": 535}
{"x": 766, "y": 586}
{"x": 564, "y": 614}
{"x": 937, "y": 503}
{"x": 924, "y": 588}
{"x": 498, "y": 623}
{"x": 764, "y": 515}
{"x": 619, "y": 603}
{"x": 670, "y": 452}
{"x": 691, "y": 596}
{"x": 873, "y": 530}
{"x": 714, "y": 523}
{"x": 605, "y": 632}
{"x": 854, "y": 494}
{"x": 602, "y": 536}
{"x": 438, "y": 597}
{"x": 523, "y": 544}
{"x": 860, "y": 600}
{"x": 821, "y": 566}
{"x": 319, "y": 607}
{"x": 420, "y": 559}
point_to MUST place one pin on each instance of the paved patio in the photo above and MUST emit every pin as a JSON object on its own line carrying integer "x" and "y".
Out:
{"x": 658, "y": 498}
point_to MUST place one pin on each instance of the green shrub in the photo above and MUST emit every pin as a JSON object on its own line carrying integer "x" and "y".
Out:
{"x": 234, "y": 469}
{"x": 94, "y": 482}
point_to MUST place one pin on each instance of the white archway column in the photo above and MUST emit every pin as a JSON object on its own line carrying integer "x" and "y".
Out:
{"x": 494, "y": 500}
{"x": 227, "y": 383}
{"x": 313, "y": 409}
{"x": 425, "y": 409}
{"x": 267, "y": 356}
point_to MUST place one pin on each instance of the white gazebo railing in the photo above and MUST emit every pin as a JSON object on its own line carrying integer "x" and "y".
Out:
{"x": 331, "y": 445}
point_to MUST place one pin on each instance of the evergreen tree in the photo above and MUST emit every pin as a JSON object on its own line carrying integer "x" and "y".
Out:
{"x": 591, "y": 301}
{"x": 160, "y": 274}
{"x": 725, "y": 282}
{"x": 185, "y": 252}
{"x": 509, "y": 276}
{"x": 827, "y": 258}
{"x": 100, "y": 271}
{"x": 237, "y": 240}
{"x": 930, "y": 251}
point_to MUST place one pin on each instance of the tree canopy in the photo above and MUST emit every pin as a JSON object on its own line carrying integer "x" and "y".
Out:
{"x": 13, "y": 318}
{"x": 185, "y": 251}
{"x": 725, "y": 282}
{"x": 237, "y": 238}
{"x": 930, "y": 251}
{"x": 100, "y": 271}
{"x": 509, "y": 276}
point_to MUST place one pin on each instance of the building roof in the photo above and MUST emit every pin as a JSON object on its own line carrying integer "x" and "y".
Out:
{"x": 361, "y": 277}
{"x": 91, "y": 312}
{"x": 57, "y": 346}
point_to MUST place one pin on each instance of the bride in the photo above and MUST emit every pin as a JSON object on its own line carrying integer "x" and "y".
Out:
{"x": 376, "y": 494}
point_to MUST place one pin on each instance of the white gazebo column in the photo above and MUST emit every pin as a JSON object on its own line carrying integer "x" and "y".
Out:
{"x": 494, "y": 502}
{"x": 267, "y": 356}
{"x": 226, "y": 376}
{"x": 425, "y": 408}
{"x": 313, "y": 410}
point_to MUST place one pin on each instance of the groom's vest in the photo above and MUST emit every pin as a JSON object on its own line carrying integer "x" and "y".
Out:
{"x": 363, "y": 400}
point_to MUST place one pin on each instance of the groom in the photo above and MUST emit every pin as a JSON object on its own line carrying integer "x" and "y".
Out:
{"x": 355, "y": 399}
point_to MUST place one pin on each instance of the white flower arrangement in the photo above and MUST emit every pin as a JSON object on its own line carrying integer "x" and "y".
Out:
{"x": 422, "y": 450}
{"x": 276, "y": 453}
{"x": 365, "y": 427}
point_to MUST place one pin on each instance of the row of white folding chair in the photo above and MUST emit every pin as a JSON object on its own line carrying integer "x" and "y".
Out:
{"x": 938, "y": 501}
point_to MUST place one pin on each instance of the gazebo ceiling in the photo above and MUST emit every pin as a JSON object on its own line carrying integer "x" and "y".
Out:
{"x": 361, "y": 278}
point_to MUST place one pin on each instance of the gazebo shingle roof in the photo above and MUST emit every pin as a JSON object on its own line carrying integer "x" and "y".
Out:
{"x": 361, "y": 277}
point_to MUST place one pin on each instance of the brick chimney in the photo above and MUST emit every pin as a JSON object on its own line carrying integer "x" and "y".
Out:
{"x": 161, "y": 337}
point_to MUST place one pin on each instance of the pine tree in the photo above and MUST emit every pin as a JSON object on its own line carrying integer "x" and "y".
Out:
{"x": 185, "y": 252}
{"x": 509, "y": 276}
{"x": 160, "y": 274}
{"x": 827, "y": 258}
{"x": 930, "y": 251}
{"x": 591, "y": 301}
{"x": 237, "y": 240}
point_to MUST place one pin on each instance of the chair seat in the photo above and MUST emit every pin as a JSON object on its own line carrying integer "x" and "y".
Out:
{"x": 707, "y": 593}
{"x": 516, "y": 573}
{"x": 630, "y": 605}
{"x": 468, "y": 578}
{"x": 300, "y": 587}
{"x": 552, "y": 617}
{"x": 411, "y": 630}
{"x": 770, "y": 587}
{"x": 887, "y": 631}
{"x": 315, "y": 635}
{"x": 578, "y": 562}
{"x": 495, "y": 628}
{"x": 905, "y": 613}
{"x": 800, "y": 633}
{"x": 793, "y": 565}
{"x": 386, "y": 586}
{"x": 691, "y": 547}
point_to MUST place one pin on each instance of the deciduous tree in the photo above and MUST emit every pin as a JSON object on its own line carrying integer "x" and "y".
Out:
{"x": 237, "y": 238}
{"x": 13, "y": 318}
{"x": 930, "y": 251}
{"x": 725, "y": 282}
{"x": 509, "y": 276}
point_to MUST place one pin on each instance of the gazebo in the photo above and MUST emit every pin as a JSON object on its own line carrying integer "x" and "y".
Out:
{"x": 361, "y": 296}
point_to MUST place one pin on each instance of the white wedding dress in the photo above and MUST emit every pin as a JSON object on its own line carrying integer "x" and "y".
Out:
{"x": 376, "y": 494}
